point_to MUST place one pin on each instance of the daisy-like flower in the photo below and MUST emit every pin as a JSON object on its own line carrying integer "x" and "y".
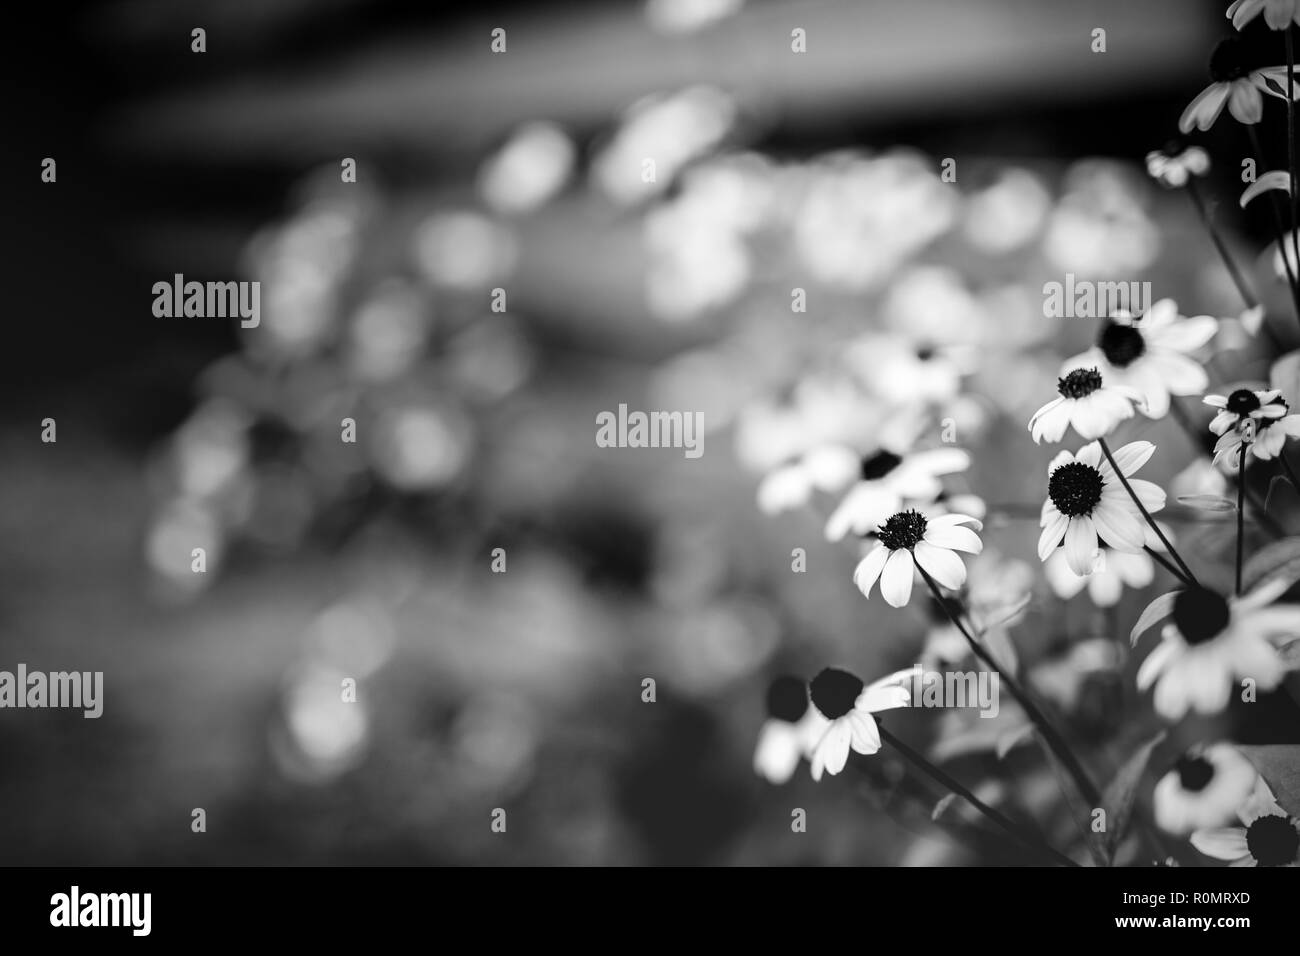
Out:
{"x": 1204, "y": 789}
{"x": 790, "y": 732}
{"x": 1175, "y": 164}
{"x": 1261, "y": 420}
{"x": 1086, "y": 503}
{"x": 1268, "y": 836}
{"x": 1236, "y": 84}
{"x": 887, "y": 481}
{"x": 1149, "y": 354}
{"x": 847, "y": 704}
{"x": 1278, "y": 14}
{"x": 1093, "y": 408}
{"x": 1114, "y": 571}
{"x": 909, "y": 540}
{"x": 827, "y": 468}
{"x": 1213, "y": 642}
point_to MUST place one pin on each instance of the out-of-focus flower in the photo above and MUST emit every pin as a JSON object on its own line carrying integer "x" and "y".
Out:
{"x": 1268, "y": 835}
{"x": 1100, "y": 226}
{"x": 463, "y": 251}
{"x": 820, "y": 410}
{"x": 323, "y": 734}
{"x": 528, "y": 170}
{"x": 829, "y": 468}
{"x": 1149, "y": 353}
{"x": 1008, "y": 214}
{"x": 667, "y": 131}
{"x": 1114, "y": 571}
{"x": 1199, "y": 478}
{"x": 1204, "y": 789}
{"x": 688, "y": 16}
{"x": 862, "y": 218}
{"x": 1065, "y": 679}
{"x": 1278, "y": 14}
{"x": 791, "y": 731}
{"x": 909, "y": 540}
{"x": 1086, "y": 502}
{"x": 1214, "y": 641}
{"x": 211, "y": 449}
{"x": 1259, "y": 419}
{"x": 847, "y": 703}
{"x": 178, "y": 530}
{"x": 1085, "y": 402}
{"x": 420, "y": 447}
{"x": 1175, "y": 164}
{"x": 906, "y": 371}
{"x": 1236, "y": 84}
{"x": 389, "y": 332}
{"x": 887, "y": 481}
{"x": 695, "y": 263}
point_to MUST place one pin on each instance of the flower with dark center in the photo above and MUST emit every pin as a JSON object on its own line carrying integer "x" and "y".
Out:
{"x": 1200, "y": 614}
{"x": 1120, "y": 344}
{"x": 1236, "y": 84}
{"x": 1088, "y": 505}
{"x": 1206, "y": 788}
{"x": 1079, "y": 383}
{"x": 1075, "y": 489}
{"x": 1278, "y": 14}
{"x": 1194, "y": 773}
{"x": 879, "y": 465}
{"x": 787, "y": 699}
{"x": 1273, "y": 841}
{"x": 834, "y": 692}
{"x": 903, "y": 530}
{"x": 1242, "y": 402}
{"x": 1259, "y": 420}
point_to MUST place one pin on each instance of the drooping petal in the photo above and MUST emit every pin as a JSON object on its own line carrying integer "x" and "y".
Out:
{"x": 869, "y": 568}
{"x": 954, "y": 537}
{"x": 1081, "y": 549}
{"x": 896, "y": 579}
{"x": 865, "y": 736}
{"x": 1052, "y": 534}
{"x": 832, "y": 751}
{"x": 1204, "y": 109}
{"x": 941, "y": 564}
{"x": 1117, "y": 527}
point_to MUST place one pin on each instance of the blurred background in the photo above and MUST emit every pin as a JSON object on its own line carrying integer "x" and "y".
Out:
{"x": 521, "y": 171}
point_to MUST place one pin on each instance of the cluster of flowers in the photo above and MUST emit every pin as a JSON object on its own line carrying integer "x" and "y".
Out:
{"x": 1098, "y": 530}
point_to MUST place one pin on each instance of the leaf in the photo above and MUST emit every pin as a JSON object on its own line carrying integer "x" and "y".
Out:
{"x": 1275, "y": 561}
{"x": 1275, "y": 179}
{"x": 1279, "y": 765}
{"x": 1157, "y": 610}
{"x": 1119, "y": 796}
{"x": 1207, "y": 502}
{"x": 1272, "y": 486}
{"x": 1007, "y": 614}
{"x": 1013, "y": 738}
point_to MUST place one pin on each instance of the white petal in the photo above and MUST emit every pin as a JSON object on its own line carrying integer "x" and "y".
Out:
{"x": 942, "y": 565}
{"x": 955, "y": 538}
{"x": 1081, "y": 545}
{"x": 896, "y": 579}
{"x": 864, "y": 735}
{"x": 869, "y": 568}
{"x": 1053, "y": 532}
{"x": 1133, "y": 456}
{"x": 1224, "y": 843}
{"x": 832, "y": 751}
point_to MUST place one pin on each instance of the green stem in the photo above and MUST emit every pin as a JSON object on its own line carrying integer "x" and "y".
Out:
{"x": 1164, "y": 562}
{"x": 1123, "y": 480}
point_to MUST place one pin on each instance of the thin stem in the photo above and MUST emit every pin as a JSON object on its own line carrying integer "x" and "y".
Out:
{"x": 1241, "y": 509}
{"x": 1290, "y": 139}
{"x": 1278, "y": 228}
{"x": 1194, "y": 191}
{"x": 1164, "y": 562}
{"x": 943, "y": 779}
{"x": 1050, "y": 733}
{"x": 1123, "y": 480}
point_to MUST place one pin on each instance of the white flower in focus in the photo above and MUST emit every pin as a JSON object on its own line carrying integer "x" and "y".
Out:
{"x": 1268, "y": 836}
{"x": 908, "y": 541}
{"x": 1235, "y": 84}
{"x": 1260, "y": 419}
{"x": 1086, "y": 403}
{"x": 1212, "y": 643}
{"x": 1086, "y": 502}
{"x": 844, "y": 701}
{"x": 1149, "y": 354}
{"x": 1278, "y": 14}
{"x": 1204, "y": 789}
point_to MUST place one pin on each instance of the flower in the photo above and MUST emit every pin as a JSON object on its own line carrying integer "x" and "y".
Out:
{"x": 826, "y": 468}
{"x": 1175, "y": 164}
{"x": 886, "y": 482}
{"x": 1259, "y": 419}
{"x": 843, "y": 700}
{"x": 1204, "y": 789}
{"x": 906, "y": 370}
{"x": 1148, "y": 353}
{"x": 1212, "y": 643}
{"x": 1278, "y": 14}
{"x": 790, "y": 732}
{"x": 1087, "y": 502}
{"x": 1094, "y": 409}
{"x": 908, "y": 541}
{"x": 1267, "y": 837}
{"x": 1114, "y": 571}
{"x": 1235, "y": 84}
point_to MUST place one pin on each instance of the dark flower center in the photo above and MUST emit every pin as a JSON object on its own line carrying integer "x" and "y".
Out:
{"x": 1273, "y": 841}
{"x": 1121, "y": 344}
{"x": 879, "y": 465}
{"x": 1200, "y": 614}
{"x": 1228, "y": 62}
{"x": 1075, "y": 488}
{"x": 925, "y": 353}
{"x": 1242, "y": 402}
{"x": 1175, "y": 147}
{"x": 1194, "y": 773}
{"x": 1080, "y": 383}
{"x": 903, "y": 530}
{"x": 834, "y": 692}
{"x": 787, "y": 699}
